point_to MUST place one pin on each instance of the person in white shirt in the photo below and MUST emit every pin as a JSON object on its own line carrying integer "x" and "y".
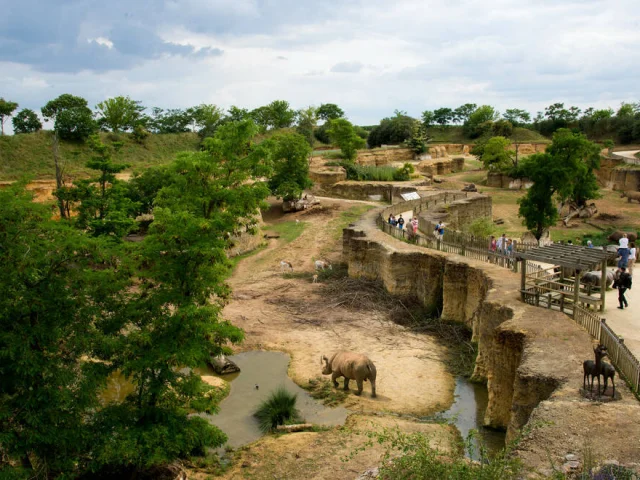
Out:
{"x": 623, "y": 242}
{"x": 501, "y": 243}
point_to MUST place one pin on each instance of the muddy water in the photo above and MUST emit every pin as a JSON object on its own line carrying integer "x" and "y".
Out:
{"x": 467, "y": 413}
{"x": 268, "y": 371}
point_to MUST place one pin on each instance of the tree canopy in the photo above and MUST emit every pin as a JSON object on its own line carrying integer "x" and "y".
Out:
{"x": 26, "y": 121}
{"x": 6, "y": 110}
{"x": 119, "y": 113}
{"x": 291, "y": 166}
{"x": 342, "y": 134}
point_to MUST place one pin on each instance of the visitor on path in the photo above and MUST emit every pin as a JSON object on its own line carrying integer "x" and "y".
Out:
{"x": 390, "y": 218}
{"x": 441, "y": 231}
{"x": 501, "y": 243}
{"x": 400, "y": 222}
{"x": 436, "y": 229}
{"x": 393, "y": 221}
{"x": 509, "y": 249}
{"x": 622, "y": 283}
{"x": 414, "y": 224}
{"x": 589, "y": 244}
{"x": 632, "y": 257}
{"x": 623, "y": 253}
{"x": 623, "y": 242}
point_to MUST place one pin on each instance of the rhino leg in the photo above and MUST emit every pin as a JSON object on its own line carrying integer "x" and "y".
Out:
{"x": 373, "y": 388}
{"x": 359, "y": 382}
{"x": 346, "y": 383}
{"x": 334, "y": 379}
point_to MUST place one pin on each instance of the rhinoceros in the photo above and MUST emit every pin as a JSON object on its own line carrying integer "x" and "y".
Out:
{"x": 351, "y": 366}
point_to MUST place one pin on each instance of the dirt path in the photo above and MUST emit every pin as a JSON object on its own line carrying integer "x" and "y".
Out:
{"x": 626, "y": 323}
{"x": 291, "y": 315}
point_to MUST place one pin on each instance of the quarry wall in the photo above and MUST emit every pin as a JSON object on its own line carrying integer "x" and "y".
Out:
{"x": 613, "y": 174}
{"x": 525, "y": 354}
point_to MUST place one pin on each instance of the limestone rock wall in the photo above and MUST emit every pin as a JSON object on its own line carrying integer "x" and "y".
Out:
{"x": 522, "y": 358}
{"x": 323, "y": 176}
{"x": 611, "y": 175}
{"x": 441, "y": 167}
{"x": 457, "y": 214}
{"x": 364, "y": 190}
{"x": 502, "y": 180}
{"x": 384, "y": 156}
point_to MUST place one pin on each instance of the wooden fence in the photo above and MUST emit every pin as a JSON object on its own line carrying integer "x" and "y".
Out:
{"x": 467, "y": 245}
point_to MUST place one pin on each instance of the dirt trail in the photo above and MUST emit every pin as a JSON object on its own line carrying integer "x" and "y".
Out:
{"x": 291, "y": 315}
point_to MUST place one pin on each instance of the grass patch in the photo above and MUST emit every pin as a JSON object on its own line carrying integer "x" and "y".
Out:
{"x": 454, "y": 134}
{"x": 322, "y": 389}
{"x": 30, "y": 154}
{"x": 238, "y": 258}
{"x": 347, "y": 217}
{"x": 278, "y": 409}
{"x": 288, "y": 231}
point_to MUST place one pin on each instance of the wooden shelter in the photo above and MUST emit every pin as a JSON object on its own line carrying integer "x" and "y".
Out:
{"x": 556, "y": 283}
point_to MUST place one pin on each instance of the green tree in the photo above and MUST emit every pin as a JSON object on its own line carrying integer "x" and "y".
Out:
{"x": 419, "y": 138}
{"x": 443, "y": 116}
{"x": 60, "y": 293}
{"x": 307, "y": 120}
{"x": 280, "y": 114}
{"x": 205, "y": 119}
{"x": 563, "y": 174}
{"x": 119, "y": 113}
{"x": 26, "y": 121}
{"x": 428, "y": 118}
{"x": 342, "y": 134}
{"x": 104, "y": 207}
{"x": 236, "y": 114}
{"x": 517, "y": 116}
{"x": 330, "y": 111}
{"x": 462, "y": 113}
{"x": 291, "y": 166}
{"x": 6, "y": 110}
{"x": 72, "y": 117}
{"x": 393, "y": 130}
{"x": 496, "y": 157}
{"x": 480, "y": 121}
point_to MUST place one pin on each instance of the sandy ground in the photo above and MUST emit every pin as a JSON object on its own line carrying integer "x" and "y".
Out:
{"x": 291, "y": 315}
{"x": 626, "y": 323}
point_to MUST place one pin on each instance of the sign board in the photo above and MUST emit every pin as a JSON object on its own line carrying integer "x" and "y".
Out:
{"x": 410, "y": 196}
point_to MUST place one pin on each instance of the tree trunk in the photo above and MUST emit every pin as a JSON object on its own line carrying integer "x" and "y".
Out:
{"x": 59, "y": 173}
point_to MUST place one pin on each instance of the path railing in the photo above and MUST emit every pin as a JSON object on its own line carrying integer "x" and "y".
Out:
{"x": 466, "y": 245}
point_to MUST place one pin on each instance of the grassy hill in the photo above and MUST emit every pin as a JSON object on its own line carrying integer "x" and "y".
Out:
{"x": 31, "y": 155}
{"x": 455, "y": 135}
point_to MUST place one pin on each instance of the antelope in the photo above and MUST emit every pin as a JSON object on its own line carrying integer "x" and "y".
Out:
{"x": 321, "y": 265}
{"x": 315, "y": 278}
{"x": 284, "y": 265}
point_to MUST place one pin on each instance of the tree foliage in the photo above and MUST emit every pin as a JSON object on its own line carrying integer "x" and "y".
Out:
{"x": 480, "y": 121}
{"x": 393, "y": 130}
{"x": 564, "y": 173}
{"x": 330, "y": 111}
{"x": 205, "y": 119}
{"x": 443, "y": 116}
{"x": 291, "y": 166}
{"x": 342, "y": 134}
{"x": 60, "y": 292}
{"x": 307, "y": 120}
{"x": 463, "y": 112}
{"x": 496, "y": 156}
{"x": 419, "y": 138}
{"x": 73, "y": 120}
{"x": 278, "y": 114}
{"x": 26, "y": 121}
{"x": 6, "y": 110}
{"x": 517, "y": 116}
{"x": 119, "y": 113}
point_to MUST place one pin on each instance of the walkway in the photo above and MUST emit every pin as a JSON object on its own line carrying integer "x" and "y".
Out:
{"x": 626, "y": 323}
{"x": 628, "y": 154}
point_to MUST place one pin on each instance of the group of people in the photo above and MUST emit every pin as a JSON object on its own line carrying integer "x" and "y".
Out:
{"x": 501, "y": 245}
{"x": 399, "y": 222}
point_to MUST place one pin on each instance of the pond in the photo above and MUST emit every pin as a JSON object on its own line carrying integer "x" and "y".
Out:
{"x": 267, "y": 371}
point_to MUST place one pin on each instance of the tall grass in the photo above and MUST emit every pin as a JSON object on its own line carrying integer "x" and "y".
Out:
{"x": 278, "y": 409}
{"x": 288, "y": 231}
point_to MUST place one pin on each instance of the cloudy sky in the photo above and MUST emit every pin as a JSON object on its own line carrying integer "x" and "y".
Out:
{"x": 370, "y": 57}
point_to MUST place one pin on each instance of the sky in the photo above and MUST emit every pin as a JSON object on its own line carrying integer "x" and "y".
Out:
{"x": 371, "y": 57}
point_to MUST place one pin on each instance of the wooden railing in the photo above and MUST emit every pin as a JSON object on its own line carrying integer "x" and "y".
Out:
{"x": 467, "y": 245}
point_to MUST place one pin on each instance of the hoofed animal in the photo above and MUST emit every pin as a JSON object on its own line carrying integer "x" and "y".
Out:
{"x": 631, "y": 196}
{"x": 617, "y": 235}
{"x": 284, "y": 265}
{"x": 608, "y": 372}
{"x": 321, "y": 265}
{"x": 351, "y": 366}
{"x": 593, "y": 369}
{"x": 592, "y": 279}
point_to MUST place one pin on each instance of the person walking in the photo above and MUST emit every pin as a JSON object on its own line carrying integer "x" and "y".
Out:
{"x": 501, "y": 243}
{"x": 632, "y": 257}
{"x": 441, "y": 232}
{"x": 414, "y": 224}
{"x": 623, "y": 283}
{"x": 400, "y": 222}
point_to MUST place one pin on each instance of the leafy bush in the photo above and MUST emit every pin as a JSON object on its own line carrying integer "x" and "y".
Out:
{"x": 321, "y": 133}
{"x": 369, "y": 173}
{"x": 394, "y": 130}
{"x": 342, "y": 134}
{"x": 140, "y": 134}
{"x": 480, "y": 227}
{"x": 26, "y": 121}
{"x": 278, "y": 409}
{"x": 403, "y": 173}
{"x": 75, "y": 124}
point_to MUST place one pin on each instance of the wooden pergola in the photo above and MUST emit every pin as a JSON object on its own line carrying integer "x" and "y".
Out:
{"x": 559, "y": 285}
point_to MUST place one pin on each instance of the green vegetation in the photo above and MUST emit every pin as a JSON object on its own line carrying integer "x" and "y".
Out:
{"x": 31, "y": 155}
{"x": 278, "y": 409}
{"x": 291, "y": 166}
{"x": 26, "y": 121}
{"x": 371, "y": 173}
{"x": 481, "y": 227}
{"x": 322, "y": 389}
{"x": 343, "y": 135}
{"x": 6, "y": 110}
{"x": 393, "y": 130}
{"x": 455, "y": 134}
{"x": 563, "y": 174}
{"x": 336, "y": 225}
{"x": 288, "y": 231}
{"x": 411, "y": 456}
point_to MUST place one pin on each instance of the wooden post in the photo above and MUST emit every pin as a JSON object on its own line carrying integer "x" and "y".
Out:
{"x": 576, "y": 291}
{"x": 603, "y": 284}
{"x": 523, "y": 274}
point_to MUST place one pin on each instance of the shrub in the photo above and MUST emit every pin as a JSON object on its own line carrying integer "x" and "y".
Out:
{"x": 369, "y": 173}
{"x": 403, "y": 173}
{"x": 342, "y": 134}
{"x": 480, "y": 227}
{"x": 140, "y": 134}
{"x": 278, "y": 409}
{"x": 321, "y": 133}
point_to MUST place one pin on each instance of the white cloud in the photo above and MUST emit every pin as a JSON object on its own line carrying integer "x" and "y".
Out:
{"x": 371, "y": 57}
